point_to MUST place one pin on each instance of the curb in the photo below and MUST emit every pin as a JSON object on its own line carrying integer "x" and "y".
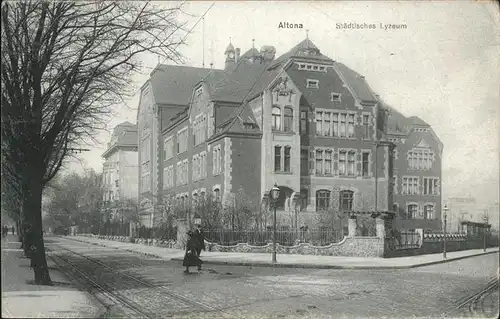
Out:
{"x": 298, "y": 265}
{"x": 319, "y": 266}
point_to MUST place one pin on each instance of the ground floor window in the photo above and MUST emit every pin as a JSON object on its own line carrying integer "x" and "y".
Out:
{"x": 323, "y": 199}
{"x": 346, "y": 199}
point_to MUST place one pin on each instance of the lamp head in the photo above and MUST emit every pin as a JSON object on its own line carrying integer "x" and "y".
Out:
{"x": 275, "y": 192}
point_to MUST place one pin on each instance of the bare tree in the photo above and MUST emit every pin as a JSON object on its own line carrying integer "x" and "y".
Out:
{"x": 64, "y": 64}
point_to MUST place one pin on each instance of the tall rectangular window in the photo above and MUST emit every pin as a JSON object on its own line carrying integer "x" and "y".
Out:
{"x": 342, "y": 162}
{"x": 326, "y": 124}
{"x": 287, "y": 159}
{"x": 319, "y": 162}
{"x": 366, "y": 126}
{"x": 304, "y": 162}
{"x": 303, "y": 122}
{"x": 319, "y": 122}
{"x": 350, "y": 125}
{"x": 335, "y": 124}
{"x": 328, "y": 162}
{"x": 365, "y": 163}
{"x": 277, "y": 158}
{"x": 351, "y": 163}
{"x": 343, "y": 125}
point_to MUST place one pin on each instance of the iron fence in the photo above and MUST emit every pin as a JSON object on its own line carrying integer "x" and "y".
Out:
{"x": 288, "y": 237}
{"x": 407, "y": 240}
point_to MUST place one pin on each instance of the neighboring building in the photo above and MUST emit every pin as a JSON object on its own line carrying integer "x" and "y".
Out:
{"x": 460, "y": 209}
{"x": 120, "y": 181}
{"x": 303, "y": 121}
{"x": 417, "y": 172}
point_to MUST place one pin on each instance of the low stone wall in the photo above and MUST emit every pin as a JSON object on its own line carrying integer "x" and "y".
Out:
{"x": 349, "y": 246}
{"x": 144, "y": 241}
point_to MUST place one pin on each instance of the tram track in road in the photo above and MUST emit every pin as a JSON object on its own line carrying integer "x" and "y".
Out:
{"x": 116, "y": 298}
{"x": 185, "y": 301}
{"x": 472, "y": 302}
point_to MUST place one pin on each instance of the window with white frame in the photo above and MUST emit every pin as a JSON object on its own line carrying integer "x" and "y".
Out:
{"x": 303, "y": 122}
{"x": 346, "y": 200}
{"x": 342, "y": 162}
{"x": 185, "y": 165}
{"x": 319, "y": 162}
{"x": 276, "y": 118}
{"x": 323, "y": 199}
{"x": 324, "y": 161}
{"x": 431, "y": 185}
{"x": 411, "y": 211}
{"x": 182, "y": 141}
{"x": 277, "y": 158}
{"x": 410, "y": 185}
{"x": 168, "y": 177}
{"x": 420, "y": 159}
{"x": 429, "y": 211}
{"x": 287, "y": 158}
{"x": 196, "y": 167}
{"x": 365, "y": 163}
{"x": 288, "y": 119}
{"x": 366, "y": 126}
{"x": 168, "y": 148}
{"x": 199, "y": 129}
{"x": 217, "y": 160}
{"x": 351, "y": 163}
{"x": 335, "y": 97}
{"x": 335, "y": 124}
{"x": 179, "y": 174}
{"x": 312, "y": 84}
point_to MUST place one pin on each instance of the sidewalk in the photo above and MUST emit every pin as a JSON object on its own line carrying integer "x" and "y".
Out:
{"x": 23, "y": 299}
{"x": 289, "y": 260}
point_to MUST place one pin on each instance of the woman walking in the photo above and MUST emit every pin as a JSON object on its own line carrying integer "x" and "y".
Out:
{"x": 191, "y": 257}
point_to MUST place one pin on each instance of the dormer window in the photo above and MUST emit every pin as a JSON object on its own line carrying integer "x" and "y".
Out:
{"x": 335, "y": 97}
{"x": 198, "y": 91}
{"x": 312, "y": 84}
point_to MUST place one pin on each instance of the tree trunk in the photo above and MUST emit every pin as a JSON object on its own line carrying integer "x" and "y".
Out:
{"x": 32, "y": 203}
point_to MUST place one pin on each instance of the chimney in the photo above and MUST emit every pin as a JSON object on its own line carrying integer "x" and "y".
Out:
{"x": 268, "y": 52}
{"x": 238, "y": 51}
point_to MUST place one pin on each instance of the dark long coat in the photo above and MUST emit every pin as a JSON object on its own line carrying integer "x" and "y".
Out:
{"x": 191, "y": 257}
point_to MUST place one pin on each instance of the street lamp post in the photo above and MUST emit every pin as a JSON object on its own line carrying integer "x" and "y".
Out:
{"x": 484, "y": 232}
{"x": 274, "y": 194}
{"x": 444, "y": 230}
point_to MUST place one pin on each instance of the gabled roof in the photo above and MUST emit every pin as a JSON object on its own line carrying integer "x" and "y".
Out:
{"x": 173, "y": 84}
{"x": 235, "y": 85}
{"x": 356, "y": 82}
{"x": 306, "y": 49}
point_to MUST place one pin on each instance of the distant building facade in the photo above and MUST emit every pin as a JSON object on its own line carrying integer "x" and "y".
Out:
{"x": 120, "y": 180}
{"x": 417, "y": 172}
{"x": 302, "y": 121}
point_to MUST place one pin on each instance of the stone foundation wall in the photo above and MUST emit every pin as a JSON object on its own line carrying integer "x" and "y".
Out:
{"x": 349, "y": 246}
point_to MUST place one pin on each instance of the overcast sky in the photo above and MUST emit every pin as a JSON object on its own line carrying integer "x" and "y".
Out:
{"x": 443, "y": 68}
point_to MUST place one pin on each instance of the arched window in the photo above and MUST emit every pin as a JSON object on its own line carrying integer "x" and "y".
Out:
{"x": 288, "y": 120}
{"x": 346, "y": 199}
{"x": 276, "y": 118}
{"x": 429, "y": 211}
{"x": 412, "y": 211}
{"x": 217, "y": 195}
{"x": 322, "y": 199}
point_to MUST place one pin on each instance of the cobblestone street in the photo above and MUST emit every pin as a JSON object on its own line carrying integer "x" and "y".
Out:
{"x": 234, "y": 291}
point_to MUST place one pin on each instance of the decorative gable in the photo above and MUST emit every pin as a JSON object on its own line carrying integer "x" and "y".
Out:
{"x": 423, "y": 144}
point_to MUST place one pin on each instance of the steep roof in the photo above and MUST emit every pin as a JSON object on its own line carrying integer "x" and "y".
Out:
{"x": 306, "y": 49}
{"x": 173, "y": 84}
{"x": 235, "y": 85}
{"x": 356, "y": 82}
{"x": 126, "y": 136}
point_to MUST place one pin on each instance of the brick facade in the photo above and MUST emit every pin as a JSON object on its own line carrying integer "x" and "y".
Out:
{"x": 302, "y": 121}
